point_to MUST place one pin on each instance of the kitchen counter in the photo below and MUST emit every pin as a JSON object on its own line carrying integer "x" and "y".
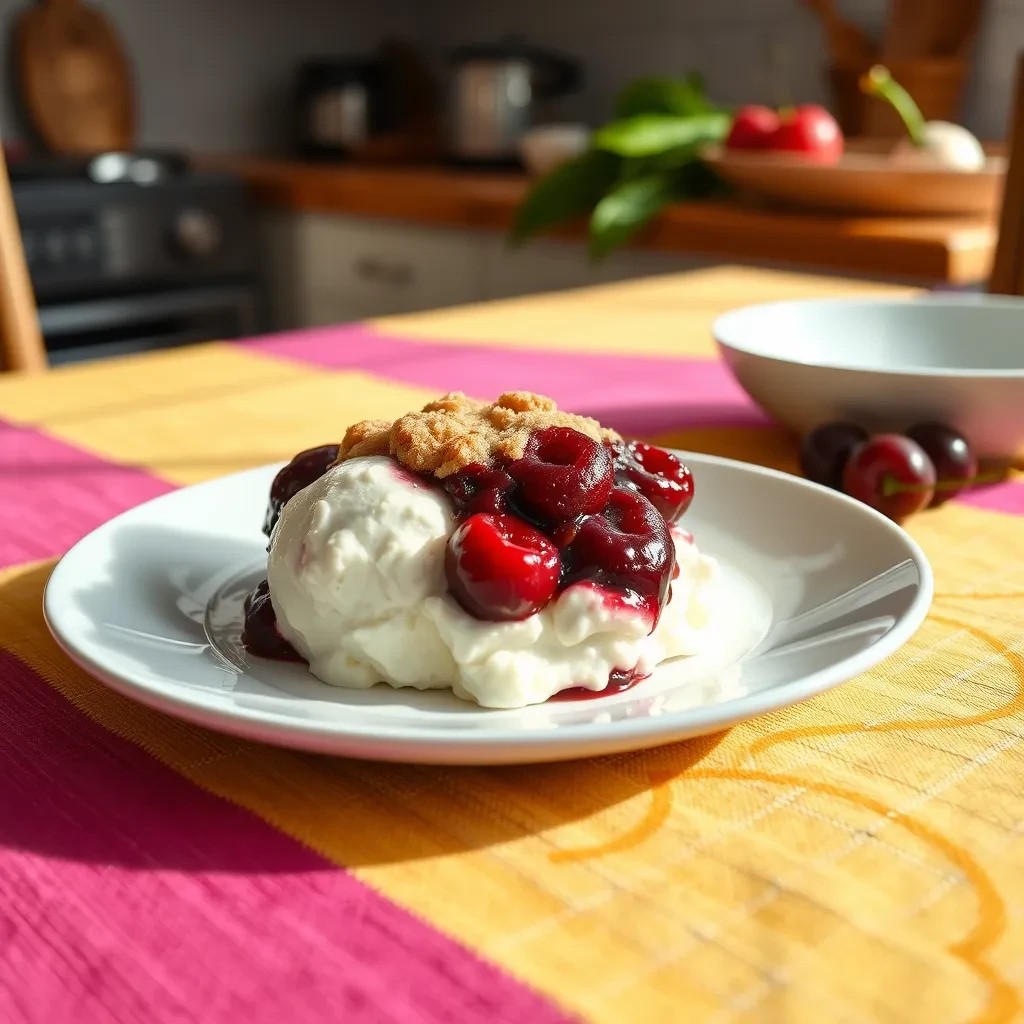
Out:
{"x": 949, "y": 251}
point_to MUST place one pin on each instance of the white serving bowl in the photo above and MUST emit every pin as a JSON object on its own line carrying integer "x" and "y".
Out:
{"x": 547, "y": 147}
{"x": 886, "y": 363}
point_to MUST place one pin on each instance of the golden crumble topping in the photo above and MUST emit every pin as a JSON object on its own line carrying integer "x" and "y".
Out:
{"x": 455, "y": 431}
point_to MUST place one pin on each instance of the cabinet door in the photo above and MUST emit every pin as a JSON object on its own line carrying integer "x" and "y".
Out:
{"x": 543, "y": 265}
{"x": 363, "y": 268}
{"x": 280, "y": 259}
{"x": 322, "y": 268}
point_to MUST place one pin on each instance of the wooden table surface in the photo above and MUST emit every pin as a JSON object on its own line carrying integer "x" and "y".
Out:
{"x": 931, "y": 250}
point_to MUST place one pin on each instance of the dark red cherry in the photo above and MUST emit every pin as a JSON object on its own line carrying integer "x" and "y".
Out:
{"x": 562, "y": 475}
{"x": 956, "y": 465}
{"x": 627, "y": 547}
{"x": 825, "y": 451}
{"x": 892, "y": 474}
{"x": 260, "y": 635}
{"x": 500, "y": 568}
{"x": 656, "y": 474}
{"x": 478, "y": 488}
{"x": 304, "y": 468}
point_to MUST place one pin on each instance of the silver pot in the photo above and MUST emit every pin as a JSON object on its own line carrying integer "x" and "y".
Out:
{"x": 492, "y": 97}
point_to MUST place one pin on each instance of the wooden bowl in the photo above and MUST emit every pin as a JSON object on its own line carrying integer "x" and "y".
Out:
{"x": 862, "y": 182}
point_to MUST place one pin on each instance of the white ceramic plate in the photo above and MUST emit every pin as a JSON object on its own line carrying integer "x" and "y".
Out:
{"x": 862, "y": 183}
{"x": 820, "y": 588}
{"x": 886, "y": 363}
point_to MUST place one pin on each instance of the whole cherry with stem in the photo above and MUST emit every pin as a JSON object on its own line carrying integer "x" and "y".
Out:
{"x": 892, "y": 474}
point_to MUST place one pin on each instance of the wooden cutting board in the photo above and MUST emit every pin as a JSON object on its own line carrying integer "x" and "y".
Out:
{"x": 74, "y": 77}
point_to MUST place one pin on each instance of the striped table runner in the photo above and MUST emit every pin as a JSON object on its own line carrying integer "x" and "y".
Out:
{"x": 857, "y": 858}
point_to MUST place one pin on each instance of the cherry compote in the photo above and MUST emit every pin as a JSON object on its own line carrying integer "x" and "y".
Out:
{"x": 562, "y": 476}
{"x": 304, "y": 468}
{"x": 626, "y": 548}
{"x": 500, "y": 568}
{"x": 260, "y": 635}
{"x": 618, "y": 681}
{"x": 658, "y": 475}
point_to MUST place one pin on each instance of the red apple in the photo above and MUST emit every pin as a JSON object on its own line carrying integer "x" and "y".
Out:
{"x": 753, "y": 127}
{"x": 812, "y": 132}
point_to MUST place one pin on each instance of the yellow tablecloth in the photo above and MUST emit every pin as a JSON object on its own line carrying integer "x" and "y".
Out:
{"x": 859, "y": 857}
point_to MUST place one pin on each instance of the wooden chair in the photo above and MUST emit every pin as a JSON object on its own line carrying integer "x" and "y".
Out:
{"x": 21, "y": 341}
{"x": 1008, "y": 269}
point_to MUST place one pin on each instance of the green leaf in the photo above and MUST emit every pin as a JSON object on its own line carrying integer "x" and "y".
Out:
{"x": 626, "y": 209}
{"x": 654, "y": 134}
{"x": 670, "y": 160}
{"x": 697, "y": 181}
{"x": 657, "y": 95}
{"x": 566, "y": 193}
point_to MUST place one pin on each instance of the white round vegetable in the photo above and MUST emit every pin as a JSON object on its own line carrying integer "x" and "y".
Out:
{"x": 944, "y": 145}
{"x": 928, "y": 144}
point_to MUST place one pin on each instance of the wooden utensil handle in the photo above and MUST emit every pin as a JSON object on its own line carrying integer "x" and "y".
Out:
{"x": 21, "y": 342}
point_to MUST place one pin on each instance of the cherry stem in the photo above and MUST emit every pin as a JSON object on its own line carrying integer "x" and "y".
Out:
{"x": 879, "y": 82}
{"x": 891, "y": 486}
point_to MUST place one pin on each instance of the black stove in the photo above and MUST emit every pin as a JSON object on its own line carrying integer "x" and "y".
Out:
{"x": 133, "y": 251}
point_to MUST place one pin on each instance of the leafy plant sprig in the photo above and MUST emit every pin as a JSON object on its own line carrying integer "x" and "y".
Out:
{"x": 639, "y": 163}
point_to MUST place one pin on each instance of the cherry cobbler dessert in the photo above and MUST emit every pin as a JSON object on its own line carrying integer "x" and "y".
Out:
{"x": 508, "y": 551}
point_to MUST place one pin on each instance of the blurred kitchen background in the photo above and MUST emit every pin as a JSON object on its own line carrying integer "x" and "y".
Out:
{"x": 289, "y": 171}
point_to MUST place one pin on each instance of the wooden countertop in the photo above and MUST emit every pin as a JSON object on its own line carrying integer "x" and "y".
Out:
{"x": 934, "y": 250}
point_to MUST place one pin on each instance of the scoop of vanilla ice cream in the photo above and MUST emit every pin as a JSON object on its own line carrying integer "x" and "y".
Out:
{"x": 693, "y": 608}
{"x": 352, "y": 560}
{"x": 356, "y": 572}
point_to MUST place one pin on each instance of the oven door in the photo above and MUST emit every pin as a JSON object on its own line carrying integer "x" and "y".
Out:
{"x": 98, "y": 328}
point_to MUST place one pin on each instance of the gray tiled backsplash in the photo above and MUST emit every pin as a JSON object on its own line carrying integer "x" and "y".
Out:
{"x": 216, "y": 74}
{"x": 746, "y": 49}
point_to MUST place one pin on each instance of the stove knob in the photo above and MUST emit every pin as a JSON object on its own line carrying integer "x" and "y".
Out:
{"x": 55, "y": 243}
{"x": 85, "y": 244}
{"x": 196, "y": 234}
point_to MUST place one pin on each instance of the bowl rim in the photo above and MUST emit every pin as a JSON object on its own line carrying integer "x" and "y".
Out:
{"x": 723, "y": 326}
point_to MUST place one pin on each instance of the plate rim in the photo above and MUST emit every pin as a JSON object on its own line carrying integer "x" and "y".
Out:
{"x": 566, "y": 742}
